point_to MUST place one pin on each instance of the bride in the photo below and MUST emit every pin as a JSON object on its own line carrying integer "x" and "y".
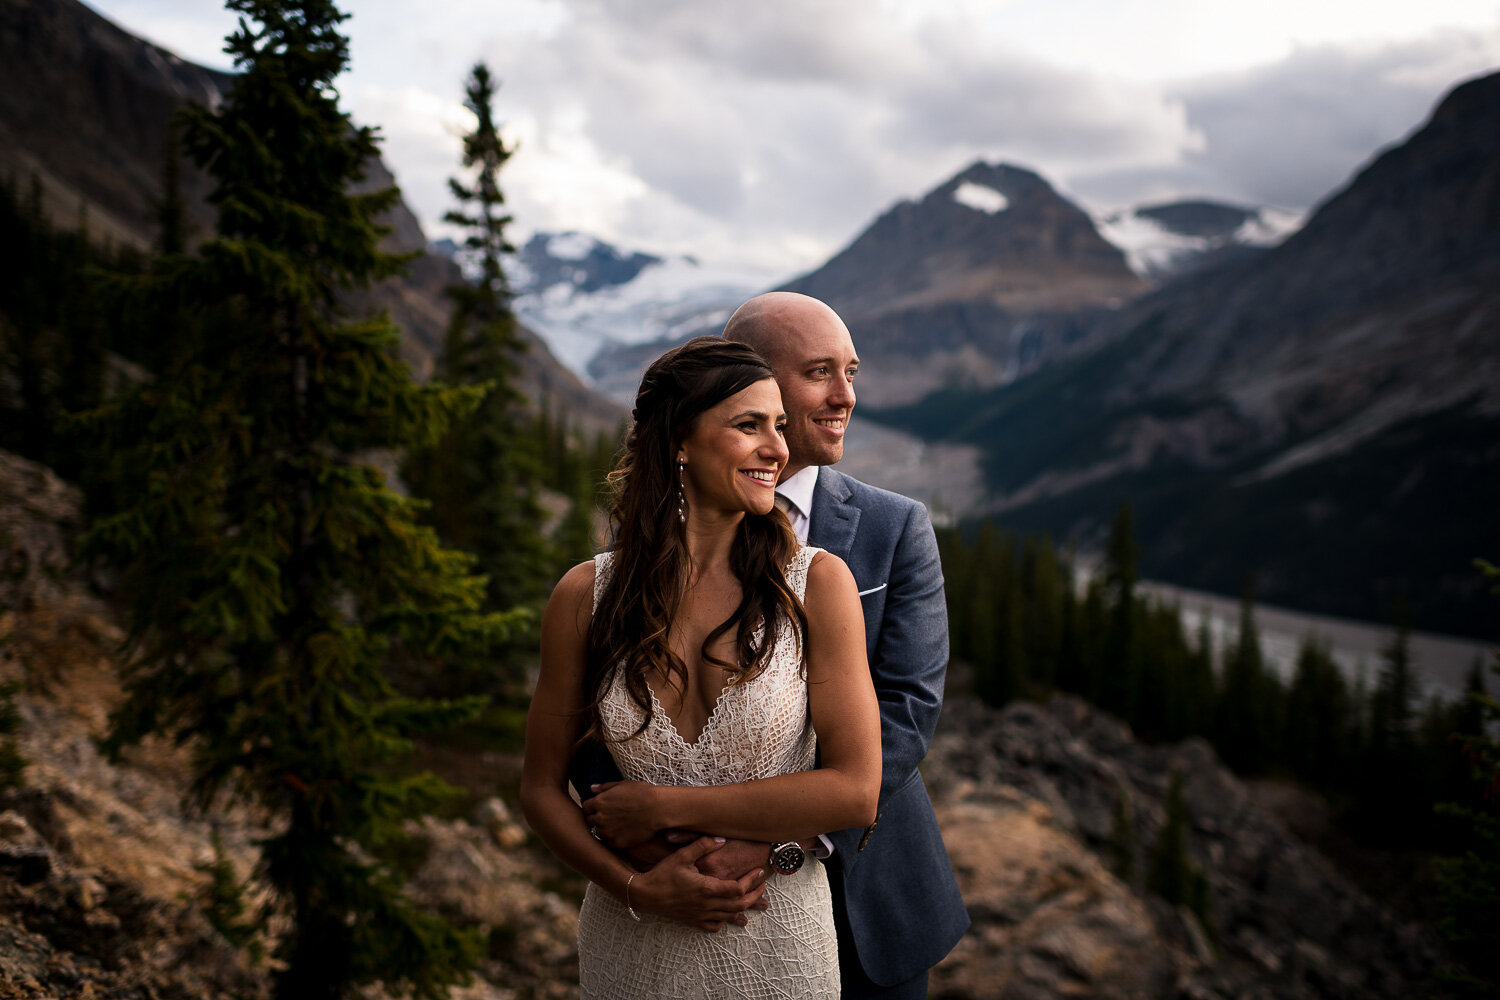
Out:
{"x": 724, "y": 667}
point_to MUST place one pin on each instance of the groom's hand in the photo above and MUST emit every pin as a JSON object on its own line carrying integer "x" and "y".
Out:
{"x": 735, "y": 860}
{"x": 678, "y": 889}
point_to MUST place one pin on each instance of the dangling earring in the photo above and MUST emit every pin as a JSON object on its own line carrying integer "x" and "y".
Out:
{"x": 681, "y": 493}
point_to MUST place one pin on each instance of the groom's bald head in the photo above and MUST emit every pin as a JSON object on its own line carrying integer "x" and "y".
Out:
{"x": 813, "y": 356}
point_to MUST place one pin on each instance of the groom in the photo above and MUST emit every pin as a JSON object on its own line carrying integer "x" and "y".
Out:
{"x": 896, "y": 904}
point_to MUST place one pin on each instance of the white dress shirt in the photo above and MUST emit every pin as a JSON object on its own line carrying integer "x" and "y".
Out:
{"x": 797, "y": 491}
{"x": 795, "y": 496}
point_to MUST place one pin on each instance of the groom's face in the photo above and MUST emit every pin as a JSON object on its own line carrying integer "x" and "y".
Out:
{"x": 815, "y": 366}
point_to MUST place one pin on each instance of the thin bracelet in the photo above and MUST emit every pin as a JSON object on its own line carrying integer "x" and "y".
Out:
{"x": 633, "y": 915}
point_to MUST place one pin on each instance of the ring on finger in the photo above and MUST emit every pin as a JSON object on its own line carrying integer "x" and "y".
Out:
{"x": 594, "y": 832}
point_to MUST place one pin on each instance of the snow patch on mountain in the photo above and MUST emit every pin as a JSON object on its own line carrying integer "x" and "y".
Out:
{"x": 1166, "y": 240}
{"x": 1269, "y": 227}
{"x": 981, "y": 198}
{"x": 570, "y": 246}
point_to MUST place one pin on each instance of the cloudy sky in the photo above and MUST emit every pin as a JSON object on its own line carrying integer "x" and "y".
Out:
{"x": 771, "y": 132}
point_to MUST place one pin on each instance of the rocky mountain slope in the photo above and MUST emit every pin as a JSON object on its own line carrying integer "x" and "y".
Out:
{"x": 976, "y": 283}
{"x": 103, "y": 873}
{"x": 1326, "y": 413}
{"x": 84, "y": 113}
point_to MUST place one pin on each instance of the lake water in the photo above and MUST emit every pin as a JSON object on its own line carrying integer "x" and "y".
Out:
{"x": 1441, "y": 662}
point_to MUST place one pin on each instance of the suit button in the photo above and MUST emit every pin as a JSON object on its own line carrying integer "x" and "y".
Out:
{"x": 865, "y": 840}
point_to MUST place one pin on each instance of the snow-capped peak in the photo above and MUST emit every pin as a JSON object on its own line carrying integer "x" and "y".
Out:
{"x": 1161, "y": 241}
{"x": 581, "y": 294}
{"x": 570, "y": 246}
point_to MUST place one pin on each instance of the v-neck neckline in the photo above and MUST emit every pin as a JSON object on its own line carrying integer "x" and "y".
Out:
{"x": 657, "y": 711}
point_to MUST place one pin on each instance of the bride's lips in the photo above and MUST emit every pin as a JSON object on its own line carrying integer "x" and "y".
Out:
{"x": 765, "y": 477}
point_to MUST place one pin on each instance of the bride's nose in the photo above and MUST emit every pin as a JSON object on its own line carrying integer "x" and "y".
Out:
{"x": 775, "y": 449}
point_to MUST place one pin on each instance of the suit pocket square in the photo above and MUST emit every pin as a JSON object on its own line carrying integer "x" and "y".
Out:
{"x": 867, "y": 593}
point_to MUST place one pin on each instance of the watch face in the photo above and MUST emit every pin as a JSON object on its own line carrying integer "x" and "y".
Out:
{"x": 788, "y": 859}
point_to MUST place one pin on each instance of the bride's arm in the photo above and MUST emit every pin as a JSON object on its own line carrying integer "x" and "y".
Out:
{"x": 674, "y": 888}
{"x": 843, "y": 790}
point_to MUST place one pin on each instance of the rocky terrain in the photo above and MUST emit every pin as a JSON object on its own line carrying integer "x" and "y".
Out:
{"x": 104, "y": 873}
{"x": 1028, "y": 799}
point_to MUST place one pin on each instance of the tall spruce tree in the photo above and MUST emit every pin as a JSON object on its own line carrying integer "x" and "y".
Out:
{"x": 1318, "y": 728}
{"x": 482, "y": 477}
{"x": 1393, "y": 797}
{"x": 1171, "y": 872}
{"x": 1469, "y": 883}
{"x": 273, "y": 578}
{"x": 1245, "y": 717}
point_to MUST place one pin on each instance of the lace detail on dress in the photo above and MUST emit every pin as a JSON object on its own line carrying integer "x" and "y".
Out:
{"x": 758, "y": 729}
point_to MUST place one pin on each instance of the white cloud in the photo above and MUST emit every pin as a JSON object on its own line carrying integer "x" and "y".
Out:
{"x": 774, "y": 131}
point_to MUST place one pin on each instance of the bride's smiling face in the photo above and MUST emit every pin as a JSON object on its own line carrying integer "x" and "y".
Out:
{"x": 735, "y": 452}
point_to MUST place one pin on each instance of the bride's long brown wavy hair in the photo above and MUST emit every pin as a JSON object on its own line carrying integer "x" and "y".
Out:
{"x": 633, "y": 620}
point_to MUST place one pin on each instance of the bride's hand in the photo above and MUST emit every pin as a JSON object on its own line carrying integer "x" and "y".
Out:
{"x": 622, "y": 813}
{"x": 678, "y": 890}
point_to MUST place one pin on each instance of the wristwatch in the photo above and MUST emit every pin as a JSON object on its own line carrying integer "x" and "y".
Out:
{"x": 787, "y": 858}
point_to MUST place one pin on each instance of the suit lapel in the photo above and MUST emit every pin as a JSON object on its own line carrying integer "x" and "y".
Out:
{"x": 833, "y": 520}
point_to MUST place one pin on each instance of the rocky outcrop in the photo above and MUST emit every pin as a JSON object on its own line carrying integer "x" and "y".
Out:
{"x": 103, "y": 865}
{"x": 1028, "y": 798}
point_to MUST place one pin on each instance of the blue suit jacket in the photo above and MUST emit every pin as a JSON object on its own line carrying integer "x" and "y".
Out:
{"x": 902, "y": 906}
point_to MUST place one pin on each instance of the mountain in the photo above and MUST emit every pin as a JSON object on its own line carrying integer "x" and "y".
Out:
{"x": 981, "y": 280}
{"x": 596, "y": 304}
{"x": 1325, "y": 413}
{"x": 1165, "y": 241}
{"x": 84, "y": 114}
{"x": 580, "y": 262}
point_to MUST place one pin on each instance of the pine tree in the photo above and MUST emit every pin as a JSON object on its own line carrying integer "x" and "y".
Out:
{"x": 1171, "y": 872}
{"x": 1469, "y": 883}
{"x": 1318, "y": 725}
{"x": 482, "y": 477}
{"x": 1245, "y": 717}
{"x": 1393, "y": 708}
{"x": 1122, "y": 846}
{"x": 1042, "y": 597}
{"x": 1392, "y": 798}
{"x": 1200, "y": 683}
{"x": 273, "y": 578}
{"x": 1122, "y": 642}
{"x": 983, "y": 628}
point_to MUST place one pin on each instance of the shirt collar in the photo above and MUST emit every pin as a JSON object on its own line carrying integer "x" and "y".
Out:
{"x": 798, "y": 489}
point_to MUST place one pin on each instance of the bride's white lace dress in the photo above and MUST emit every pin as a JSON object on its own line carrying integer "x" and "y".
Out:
{"x": 757, "y": 730}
